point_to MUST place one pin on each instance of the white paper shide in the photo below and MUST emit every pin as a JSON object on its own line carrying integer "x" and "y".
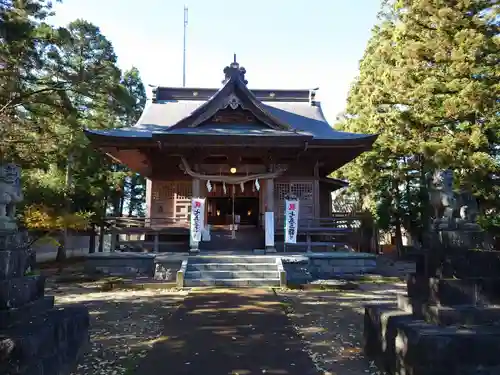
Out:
{"x": 291, "y": 220}
{"x": 197, "y": 218}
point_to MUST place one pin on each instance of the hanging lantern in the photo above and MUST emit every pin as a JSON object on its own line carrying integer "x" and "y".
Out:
{"x": 257, "y": 185}
{"x": 242, "y": 186}
{"x": 209, "y": 186}
{"x": 224, "y": 188}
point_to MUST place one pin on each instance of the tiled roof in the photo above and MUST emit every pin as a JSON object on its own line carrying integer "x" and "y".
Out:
{"x": 187, "y": 111}
{"x": 302, "y": 117}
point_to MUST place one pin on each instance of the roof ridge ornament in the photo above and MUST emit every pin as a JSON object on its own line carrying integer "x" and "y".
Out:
{"x": 232, "y": 101}
{"x": 234, "y": 70}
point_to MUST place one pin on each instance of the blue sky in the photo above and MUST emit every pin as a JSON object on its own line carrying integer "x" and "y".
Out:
{"x": 282, "y": 44}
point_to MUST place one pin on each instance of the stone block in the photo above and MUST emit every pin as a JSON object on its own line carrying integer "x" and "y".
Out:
{"x": 121, "y": 264}
{"x": 63, "y": 331}
{"x": 20, "y": 291}
{"x": 471, "y": 264}
{"x": 13, "y": 316}
{"x": 297, "y": 273}
{"x": 380, "y": 330}
{"x": 423, "y": 349}
{"x": 13, "y": 263}
{"x": 401, "y": 345}
{"x": 446, "y": 292}
{"x": 463, "y": 315}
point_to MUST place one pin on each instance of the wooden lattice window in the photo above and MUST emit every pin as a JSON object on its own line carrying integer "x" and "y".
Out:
{"x": 170, "y": 190}
{"x": 184, "y": 190}
{"x": 155, "y": 195}
{"x": 302, "y": 190}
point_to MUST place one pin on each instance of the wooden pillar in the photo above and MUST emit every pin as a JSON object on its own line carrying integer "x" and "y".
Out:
{"x": 316, "y": 200}
{"x": 156, "y": 246}
{"x": 270, "y": 194}
{"x": 194, "y": 246}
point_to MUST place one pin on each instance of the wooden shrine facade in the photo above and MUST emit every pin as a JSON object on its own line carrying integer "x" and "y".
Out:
{"x": 261, "y": 145}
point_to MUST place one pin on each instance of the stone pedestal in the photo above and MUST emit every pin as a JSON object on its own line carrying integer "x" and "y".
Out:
{"x": 35, "y": 336}
{"x": 445, "y": 325}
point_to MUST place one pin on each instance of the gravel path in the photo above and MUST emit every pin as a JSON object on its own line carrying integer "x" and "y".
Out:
{"x": 331, "y": 324}
{"x": 124, "y": 325}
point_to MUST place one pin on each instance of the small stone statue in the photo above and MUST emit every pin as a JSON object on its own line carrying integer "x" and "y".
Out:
{"x": 441, "y": 195}
{"x": 10, "y": 195}
{"x": 468, "y": 211}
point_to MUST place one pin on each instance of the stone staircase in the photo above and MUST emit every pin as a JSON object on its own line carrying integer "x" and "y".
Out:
{"x": 231, "y": 271}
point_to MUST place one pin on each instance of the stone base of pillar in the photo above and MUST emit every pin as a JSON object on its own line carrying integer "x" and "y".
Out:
{"x": 270, "y": 249}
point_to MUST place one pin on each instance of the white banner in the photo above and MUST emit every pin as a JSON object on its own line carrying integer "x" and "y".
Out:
{"x": 197, "y": 218}
{"x": 269, "y": 228}
{"x": 291, "y": 220}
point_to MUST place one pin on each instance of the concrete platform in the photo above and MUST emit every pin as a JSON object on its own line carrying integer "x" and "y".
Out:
{"x": 299, "y": 267}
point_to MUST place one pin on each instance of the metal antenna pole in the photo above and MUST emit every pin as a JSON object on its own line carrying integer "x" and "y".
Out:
{"x": 184, "y": 47}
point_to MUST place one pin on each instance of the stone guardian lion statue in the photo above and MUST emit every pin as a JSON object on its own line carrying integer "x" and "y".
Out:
{"x": 10, "y": 195}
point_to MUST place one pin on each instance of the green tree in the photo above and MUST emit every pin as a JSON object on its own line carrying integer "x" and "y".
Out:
{"x": 129, "y": 192}
{"x": 429, "y": 85}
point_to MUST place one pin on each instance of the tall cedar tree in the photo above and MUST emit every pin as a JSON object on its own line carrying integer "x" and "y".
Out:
{"x": 429, "y": 85}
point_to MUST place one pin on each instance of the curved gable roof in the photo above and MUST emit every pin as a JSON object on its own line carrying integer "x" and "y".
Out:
{"x": 181, "y": 111}
{"x": 234, "y": 93}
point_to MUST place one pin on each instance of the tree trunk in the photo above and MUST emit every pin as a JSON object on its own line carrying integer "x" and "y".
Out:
{"x": 424, "y": 207}
{"x": 92, "y": 239}
{"x": 61, "y": 250}
{"x": 121, "y": 204}
{"x": 397, "y": 214}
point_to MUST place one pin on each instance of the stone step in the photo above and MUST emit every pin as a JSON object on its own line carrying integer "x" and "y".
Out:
{"x": 20, "y": 291}
{"x": 232, "y": 283}
{"x": 453, "y": 292}
{"x": 10, "y": 317}
{"x": 62, "y": 330}
{"x": 428, "y": 349}
{"x": 200, "y": 259}
{"x": 231, "y": 267}
{"x": 446, "y": 315}
{"x": 232, "y": 274}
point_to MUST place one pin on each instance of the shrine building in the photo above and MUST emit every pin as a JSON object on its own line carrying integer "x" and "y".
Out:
{"x": 243, "y": 149}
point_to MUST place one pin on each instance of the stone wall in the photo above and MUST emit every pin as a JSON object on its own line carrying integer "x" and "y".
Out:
{"x": 133, "y": 264}
{"x": 313, "y": 266}
{"x": 328, "y": 265}
{"x": 77, "y": 246}
{"x": 297, "y": 269}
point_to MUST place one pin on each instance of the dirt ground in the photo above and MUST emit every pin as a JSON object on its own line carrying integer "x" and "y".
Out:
{"x": 331, "y": 324}
{"x": 124, "y": 324}
{"x": 127, "y": 324}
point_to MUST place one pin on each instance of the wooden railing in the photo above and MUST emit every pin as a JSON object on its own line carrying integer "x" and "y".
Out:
{"x": 144, "y": 222}
{"x": 335, "y": 231}
{"x": 341, "y": 222}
